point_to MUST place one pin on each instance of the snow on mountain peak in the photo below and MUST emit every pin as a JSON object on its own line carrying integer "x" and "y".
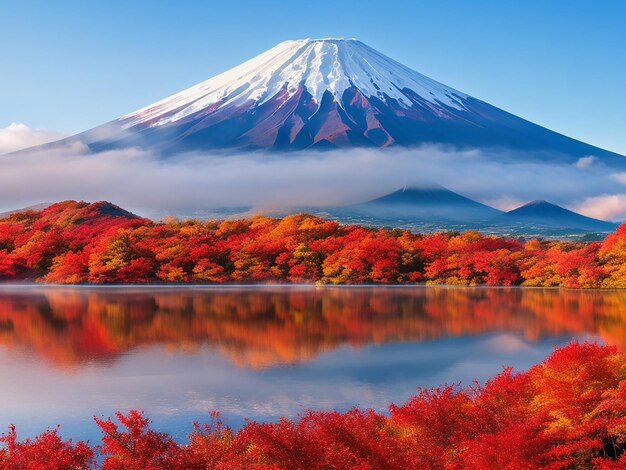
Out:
{"x": 318, "y": 65}
{"x": 322, "y": 94}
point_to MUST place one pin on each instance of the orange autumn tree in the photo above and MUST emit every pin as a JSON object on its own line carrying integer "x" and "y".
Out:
{"x": 612, "y": 256}
{"x": 77, "y": 242}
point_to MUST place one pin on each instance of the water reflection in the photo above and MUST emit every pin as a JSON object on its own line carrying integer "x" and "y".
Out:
{"x": 262, "y": 352}
{"x": 263, "y": 327}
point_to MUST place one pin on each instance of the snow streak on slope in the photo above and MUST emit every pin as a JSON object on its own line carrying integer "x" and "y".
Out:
{"x": 321, "y": 94}
{"x": 319, "y": 65}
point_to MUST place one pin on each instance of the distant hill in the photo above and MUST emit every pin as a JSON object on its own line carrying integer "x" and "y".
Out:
{"x": 428, "y": 204}
{"x": 548, "y": 214}
{"x": 435, "y": 208}
{"x": 431, "y": 205}
{"x": 35, "y": 208}
{"x": 85, "y": 220}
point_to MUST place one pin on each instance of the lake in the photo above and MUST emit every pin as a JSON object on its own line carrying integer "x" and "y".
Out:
{"x": 68, "y": 353}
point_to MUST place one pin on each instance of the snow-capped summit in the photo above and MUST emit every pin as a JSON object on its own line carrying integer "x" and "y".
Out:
{"x": 315, "y": 65}
{"x": 326, "y": 93}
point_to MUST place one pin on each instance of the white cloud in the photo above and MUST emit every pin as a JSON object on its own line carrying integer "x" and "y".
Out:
{"x": 18, "y": 136}
{"x": 621, "y": 177}
{"x": 585, "y": 162}
{"x": 606, "y": 207}
{"x": 505, "y": 203}
{"x": 192, "y": 184}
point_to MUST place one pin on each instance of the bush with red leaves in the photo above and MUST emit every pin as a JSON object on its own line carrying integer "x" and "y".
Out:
{"x": 567, "y": 412}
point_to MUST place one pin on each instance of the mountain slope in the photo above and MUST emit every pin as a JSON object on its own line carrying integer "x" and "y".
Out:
{"x": 35, "y": 208}
{"x": 81, "y": 221}
{"x": 429, "y": 204}
{"x": 325, "y": 93}
{"x": 435, "y": 208}
{"x": 547, "y": 214}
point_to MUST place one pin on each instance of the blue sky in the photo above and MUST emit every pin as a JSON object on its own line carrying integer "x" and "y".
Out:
{"x": 71, "y": 65}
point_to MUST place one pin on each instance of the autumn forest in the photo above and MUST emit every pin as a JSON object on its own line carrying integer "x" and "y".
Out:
{"x": 77, "y": 242}
{"x": 568, "y": 411}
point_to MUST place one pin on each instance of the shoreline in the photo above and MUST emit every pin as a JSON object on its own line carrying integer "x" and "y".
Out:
{"x": 294, "y": 286}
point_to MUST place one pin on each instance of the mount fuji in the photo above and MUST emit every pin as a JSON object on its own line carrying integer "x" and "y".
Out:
{"x": 321, "y": 94}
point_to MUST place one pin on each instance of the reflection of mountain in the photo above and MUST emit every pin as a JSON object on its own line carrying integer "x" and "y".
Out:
{"x": 262, "y": 327}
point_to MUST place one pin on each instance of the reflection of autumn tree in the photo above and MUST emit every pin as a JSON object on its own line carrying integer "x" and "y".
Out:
{"x": 263, "y": 326}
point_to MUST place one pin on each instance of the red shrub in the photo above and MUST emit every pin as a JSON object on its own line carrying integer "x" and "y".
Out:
{"x": 46, "y": 452}
{"x": 567, "y": 412}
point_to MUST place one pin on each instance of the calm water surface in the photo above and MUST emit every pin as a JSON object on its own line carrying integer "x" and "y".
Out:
{"x": 67, "y": 354}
